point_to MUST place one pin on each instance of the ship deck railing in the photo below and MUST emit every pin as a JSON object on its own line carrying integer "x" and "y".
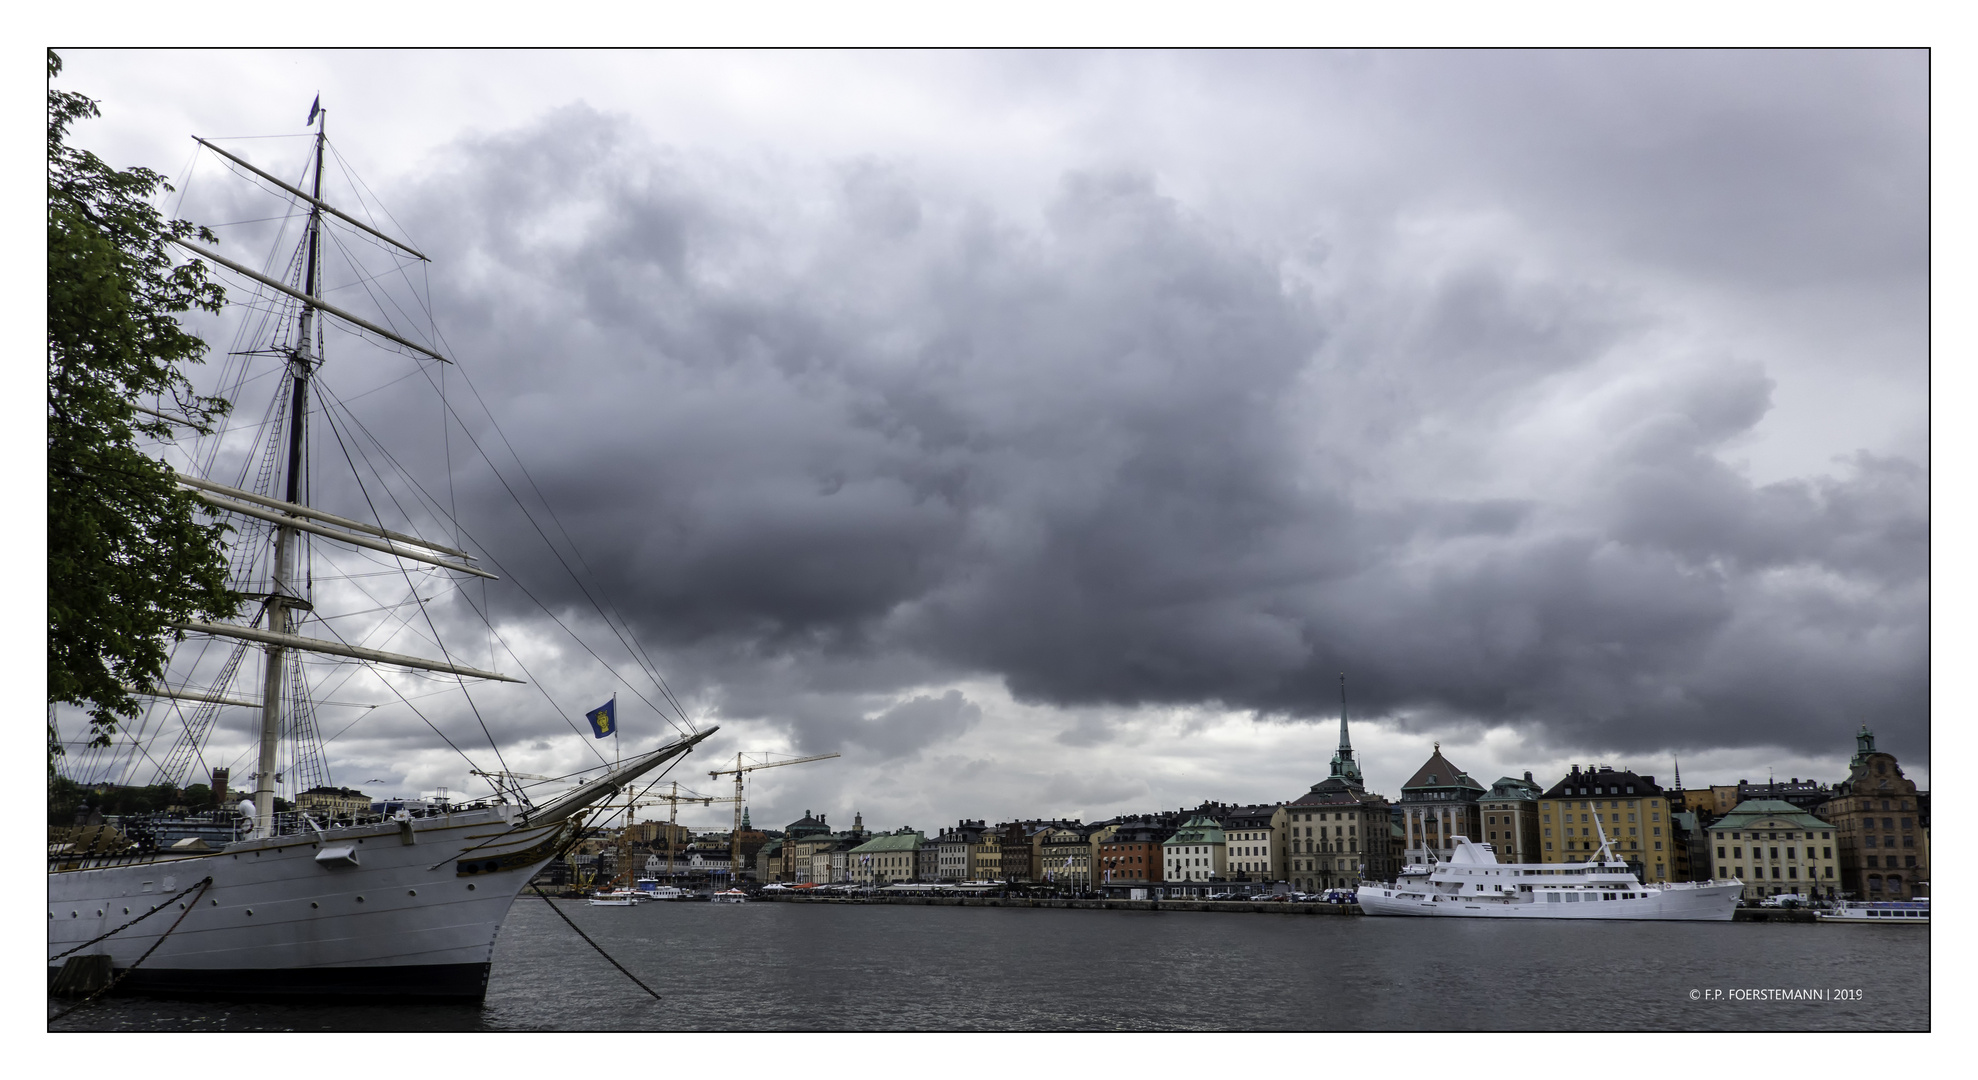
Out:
{"x": 135, "y": 838}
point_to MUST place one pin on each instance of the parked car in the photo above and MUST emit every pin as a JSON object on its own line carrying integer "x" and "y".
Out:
{"x": 1339, "y": 896}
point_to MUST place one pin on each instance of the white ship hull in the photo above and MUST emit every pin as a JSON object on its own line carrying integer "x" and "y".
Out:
{"x": 1472, "y": 884}
{"x": 1705, "y": 902}
{"x": 403, "y": 919}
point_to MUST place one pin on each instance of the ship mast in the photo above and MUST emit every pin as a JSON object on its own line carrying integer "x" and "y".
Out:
{"x": 285, "y": 592}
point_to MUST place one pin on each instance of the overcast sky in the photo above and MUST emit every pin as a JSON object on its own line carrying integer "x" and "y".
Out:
{"x": 1046, "y": 432}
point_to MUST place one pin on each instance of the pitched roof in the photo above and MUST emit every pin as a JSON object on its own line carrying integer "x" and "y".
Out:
{"x": 1602, "y": 781}
{"x": 1200, "y": 829}
{"x": 1249, "y": 817}
{"x": 1437, "y": 772}
{"x": 1511, "y": 787}
{"x": 1322, "y": 795}
{"x": 1760, "y": 813}
{"x": 889, "y": 842}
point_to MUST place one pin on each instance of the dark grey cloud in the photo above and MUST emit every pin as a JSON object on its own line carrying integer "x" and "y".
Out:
{"x": 838, "y": 435}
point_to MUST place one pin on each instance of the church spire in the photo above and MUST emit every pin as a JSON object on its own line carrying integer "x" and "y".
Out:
{"x": 1343, "y": 765}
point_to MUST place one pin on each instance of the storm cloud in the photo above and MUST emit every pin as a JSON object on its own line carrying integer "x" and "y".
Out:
{"x": 1113, "y": 454}
{"x": 1579, "y": 394}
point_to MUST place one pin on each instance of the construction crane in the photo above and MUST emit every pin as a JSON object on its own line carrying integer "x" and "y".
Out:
{"x": 673, "y": 801}
{"x": 740, "y": 769}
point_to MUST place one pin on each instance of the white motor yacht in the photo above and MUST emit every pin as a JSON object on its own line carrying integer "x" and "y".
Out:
{"x": 1473, "y": 884}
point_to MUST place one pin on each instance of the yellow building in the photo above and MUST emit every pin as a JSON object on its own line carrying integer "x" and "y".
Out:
{"x": 334, "y": 800}
{"x": 987, "y": 858}
{"x": 1631, "y": 811}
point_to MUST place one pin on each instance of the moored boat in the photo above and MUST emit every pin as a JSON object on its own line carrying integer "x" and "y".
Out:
{"x": 1473, "y": 884}
{"x": 1880, "y": 912}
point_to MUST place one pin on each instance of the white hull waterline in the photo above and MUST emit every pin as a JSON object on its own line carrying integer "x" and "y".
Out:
{"x": 404, "y": 908}
{"x": 1473, "y": 884}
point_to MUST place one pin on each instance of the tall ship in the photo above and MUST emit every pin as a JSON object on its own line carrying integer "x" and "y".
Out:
{"x": 1471, "y": 883}
{"x": 337, "y": 901}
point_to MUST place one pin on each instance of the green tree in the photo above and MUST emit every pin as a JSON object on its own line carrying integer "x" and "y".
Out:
{"x": 127, "y": 557}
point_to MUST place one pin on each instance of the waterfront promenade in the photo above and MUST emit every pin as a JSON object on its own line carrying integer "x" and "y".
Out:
{"x": 1257, "y": 907}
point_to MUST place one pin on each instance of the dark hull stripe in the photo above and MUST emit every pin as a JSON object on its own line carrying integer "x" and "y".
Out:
{"x": 422, "y": 982}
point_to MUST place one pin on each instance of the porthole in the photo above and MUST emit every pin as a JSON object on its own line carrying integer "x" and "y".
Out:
{"x": 411, "y": 892}
{"x": 360, "y": 899}
{"x": 181, "y": 907}
{"x": 470, "y": 888}
{"x": 313, "y": 903}
{"x": 250, "y": 911}
{"x": 215, "y": 903}
{"x": 99, "y": 913}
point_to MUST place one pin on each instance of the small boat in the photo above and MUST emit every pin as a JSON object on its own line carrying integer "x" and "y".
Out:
{"x": 1880, "y": 912}
{"x": 730, "y": 896}
{"x": 615, "y": 898}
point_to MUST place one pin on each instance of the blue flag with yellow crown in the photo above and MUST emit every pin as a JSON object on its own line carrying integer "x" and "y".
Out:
{"x": 604, "y": 718}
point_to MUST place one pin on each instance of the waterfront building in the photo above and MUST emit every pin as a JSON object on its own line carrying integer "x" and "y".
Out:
{"x": 1808, "y": 795}
{"x": 1438, "y": 804}
{"x": 1338, "y": 833}
{"x": 1702, "y": 802}
{"x": 988, "y": 863}
{"x": 1774, "y": 847}
{"x": 1882, "y": 826}
{"x": 1255, "y": 835}
{"x": 1013, "y": 837}
{"x": 769, "y": 863}
{"x": 1196, "y": 853}
{"x": 1064, "y": 856}
{"x": 1635, "y": 817}
{"x": 804, "y": 839}
{"x": 959, "y": 848}
{"x": 886, "y": 859}
{"x": 1689, "y": 861}
{"x": 1510, "y": 811}
{"x": 1097, "y": 836}
{"x": 1130, "y": 852}
{"x": 1335, "y": 837}
{"x": 335, "y": 801}
{"x": 927, "y": 866}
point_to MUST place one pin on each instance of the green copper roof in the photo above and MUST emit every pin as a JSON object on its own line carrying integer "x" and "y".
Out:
{"x": 1200, "y": 829}
{"x": 1756, "y": 813}
{"x": 890, "y": 842}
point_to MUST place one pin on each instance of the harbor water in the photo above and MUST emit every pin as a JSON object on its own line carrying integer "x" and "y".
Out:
{"x": 802, "y": 966}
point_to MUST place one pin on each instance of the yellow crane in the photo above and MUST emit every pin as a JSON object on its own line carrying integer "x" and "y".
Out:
{"x": 740, "y": 770}
{"x": 673, "y": 801}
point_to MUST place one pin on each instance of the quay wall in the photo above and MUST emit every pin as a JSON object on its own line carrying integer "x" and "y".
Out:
{"x": 1248, "y": 906}
{"x": 1233, "y": 906}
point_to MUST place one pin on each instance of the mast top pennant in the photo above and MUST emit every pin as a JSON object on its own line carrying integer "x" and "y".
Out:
{"x": 315, "y": 107}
